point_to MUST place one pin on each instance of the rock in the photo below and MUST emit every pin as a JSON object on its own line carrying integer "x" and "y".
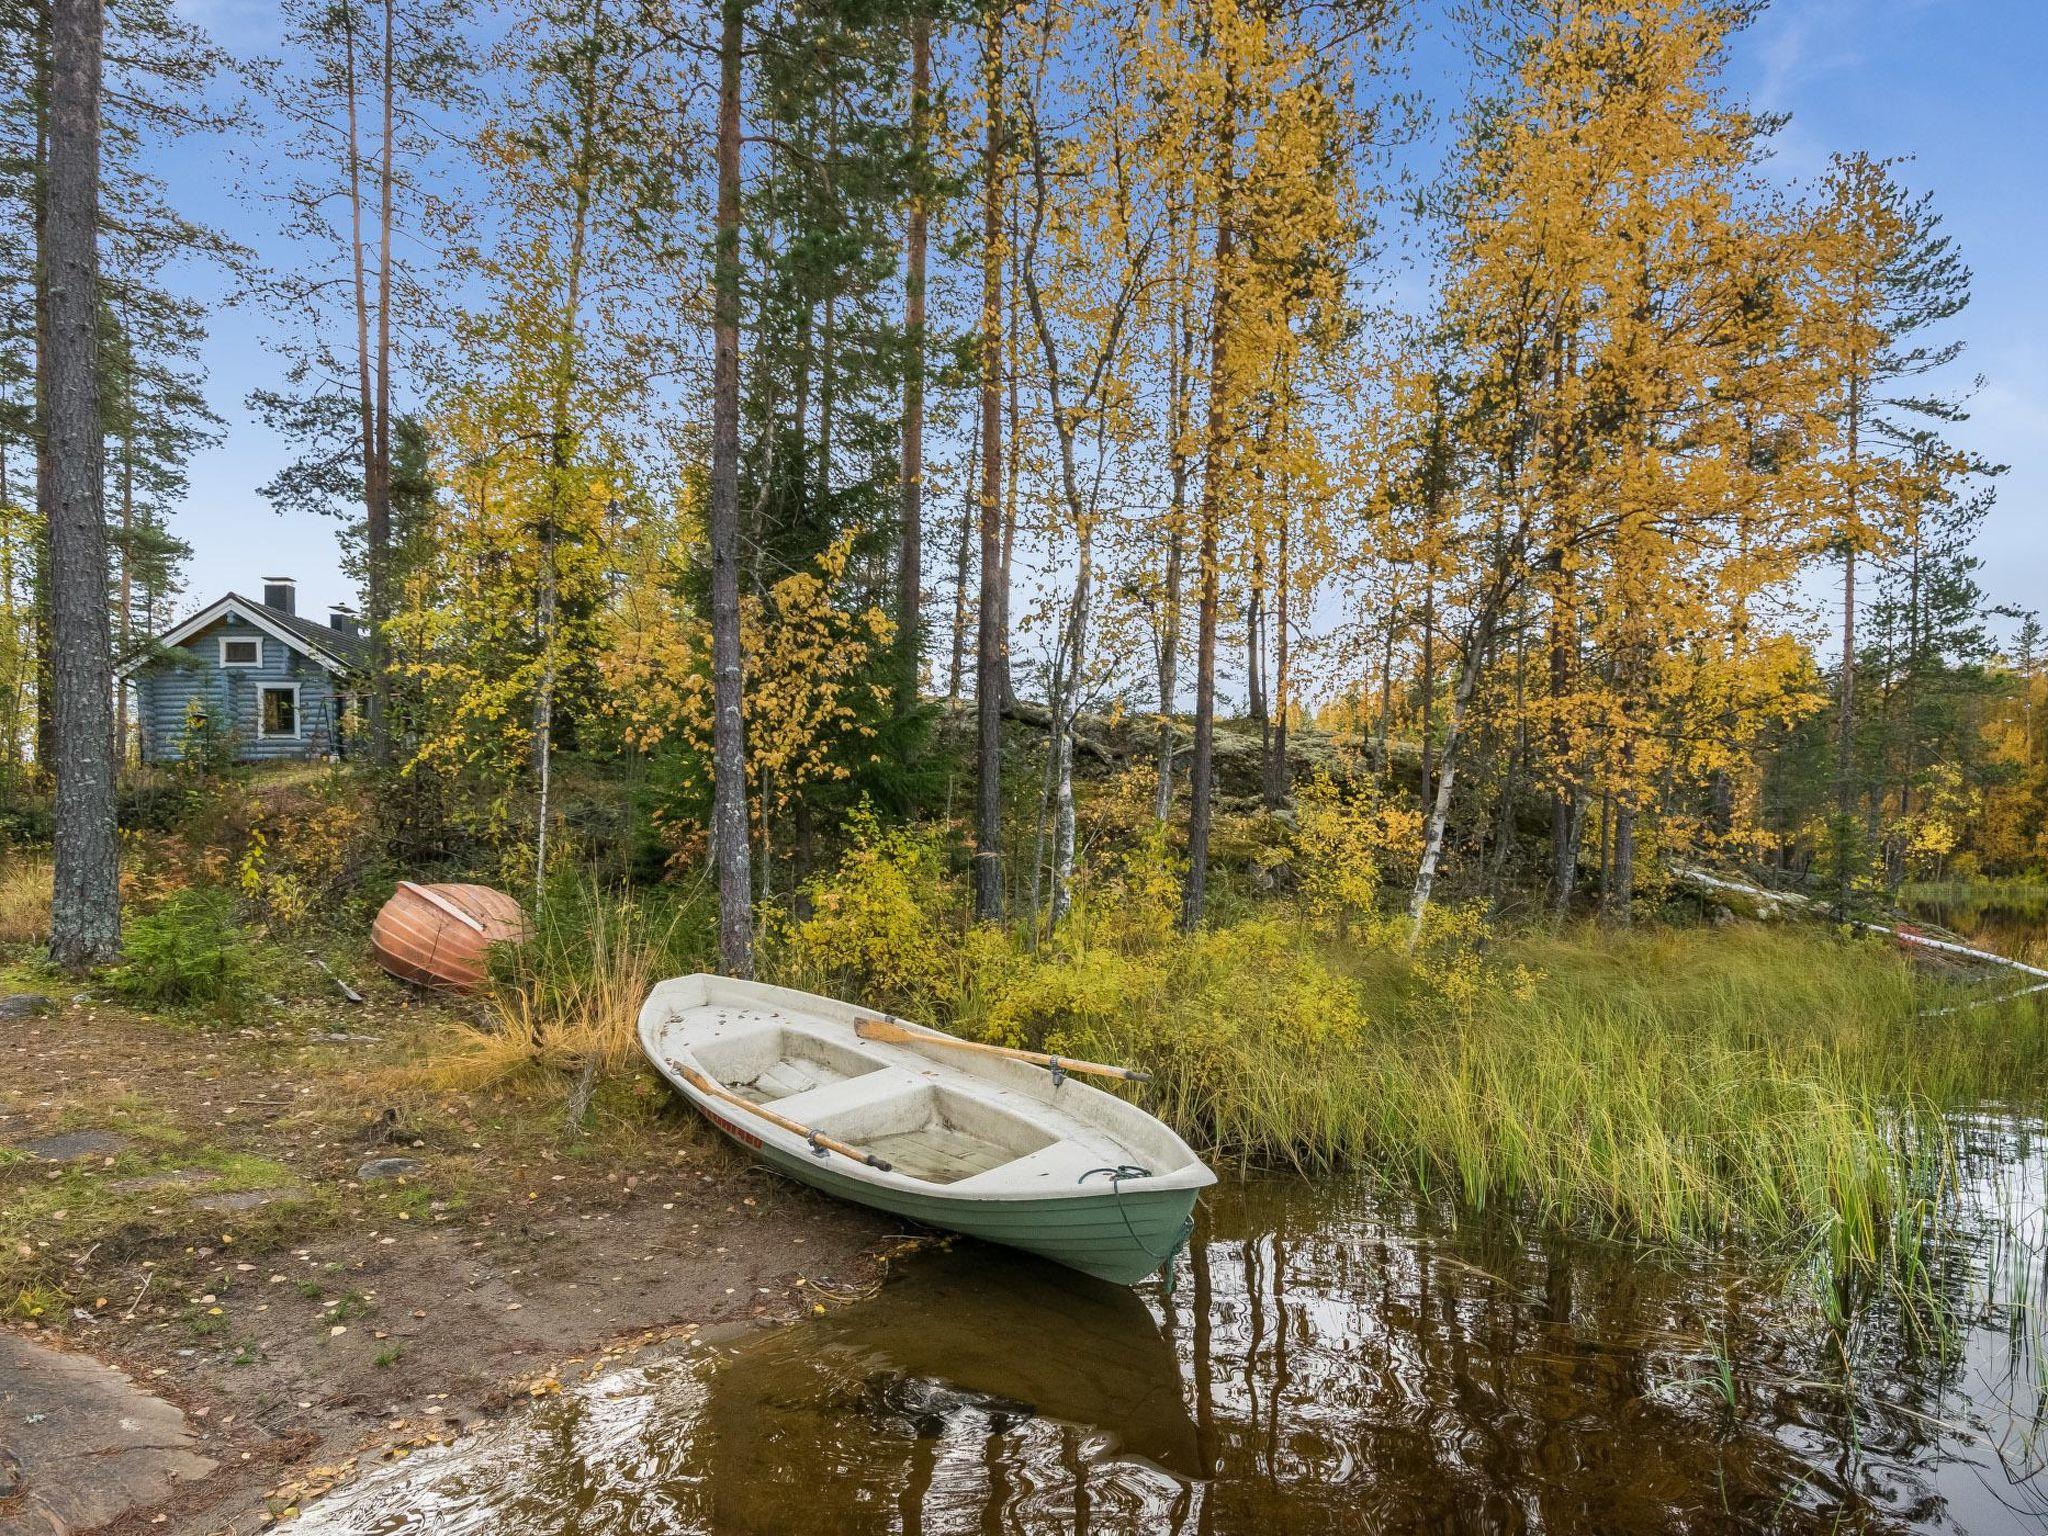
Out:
{"x": 76, "y": 1146}
{"x": 177, "y": 1178}
{"x": 391, "y": 1168}
{"x": 246, "y": 1199}
{"x": 23, "y": 1005}
{"x": 85, "y": 1444}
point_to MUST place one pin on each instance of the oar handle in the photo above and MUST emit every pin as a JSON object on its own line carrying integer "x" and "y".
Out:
{"x": 819, "y": 1141}
{"x": 904, "y": 1034}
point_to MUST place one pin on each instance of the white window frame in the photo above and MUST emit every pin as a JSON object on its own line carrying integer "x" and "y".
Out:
{"x": 298, "y": 730}
{"x": 241, "y": 666}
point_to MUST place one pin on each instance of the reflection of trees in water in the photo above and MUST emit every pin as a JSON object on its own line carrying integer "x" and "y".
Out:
{"x": 1459, "y": 1383}
{"x": 2007, "y": 922}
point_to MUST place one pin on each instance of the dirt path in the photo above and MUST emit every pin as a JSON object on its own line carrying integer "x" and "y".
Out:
{"x": 320, "y": 1267}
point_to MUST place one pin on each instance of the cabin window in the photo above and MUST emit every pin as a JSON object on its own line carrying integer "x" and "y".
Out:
{"x": 241, "y": 651}
{"x": 280, "y": 711}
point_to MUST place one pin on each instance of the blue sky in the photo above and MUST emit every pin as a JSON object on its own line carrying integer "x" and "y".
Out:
{"x": 1952, "y": 83}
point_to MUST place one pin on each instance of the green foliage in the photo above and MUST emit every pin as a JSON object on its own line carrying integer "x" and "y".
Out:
{"x": 206, "y": 744}
{"x": 190, "y": 952}
{"x": 570, "y": 996}
{"x": 886, "y": 925}
{"x": 1346, "y": 837}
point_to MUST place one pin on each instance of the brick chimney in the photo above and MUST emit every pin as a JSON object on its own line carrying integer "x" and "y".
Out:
{"x": 281, "y": 592}
{"x": 342, "y": 619}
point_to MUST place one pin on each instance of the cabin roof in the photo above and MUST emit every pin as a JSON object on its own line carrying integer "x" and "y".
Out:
{"x": 322, "y": 643}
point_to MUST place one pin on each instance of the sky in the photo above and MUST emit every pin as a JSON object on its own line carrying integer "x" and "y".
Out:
{"x": 1952, "y": 84}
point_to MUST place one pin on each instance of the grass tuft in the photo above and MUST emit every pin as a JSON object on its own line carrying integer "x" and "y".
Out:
{"x": 25, "y": 899}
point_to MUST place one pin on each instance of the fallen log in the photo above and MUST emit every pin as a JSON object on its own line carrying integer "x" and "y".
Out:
{"x": 1899, "y": 934}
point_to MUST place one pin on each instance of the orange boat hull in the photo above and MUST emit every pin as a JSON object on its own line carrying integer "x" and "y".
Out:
{"x": 440, "y": 935}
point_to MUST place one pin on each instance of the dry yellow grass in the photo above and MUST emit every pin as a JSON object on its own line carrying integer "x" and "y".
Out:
{"x": 24, "y": 899}
{"x": 556, "y": 1018}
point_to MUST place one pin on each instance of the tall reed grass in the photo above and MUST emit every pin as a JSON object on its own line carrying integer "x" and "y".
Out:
{"x": 24, "y": 899}
{"x": 1680, "y": 1087}
{"x": 570, "y": 997}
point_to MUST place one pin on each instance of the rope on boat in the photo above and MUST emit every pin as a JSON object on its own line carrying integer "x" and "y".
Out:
{"x": 1117, "y": 1175}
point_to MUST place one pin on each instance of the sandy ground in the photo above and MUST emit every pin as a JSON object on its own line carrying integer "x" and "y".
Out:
{"x": 228, "y": 1241}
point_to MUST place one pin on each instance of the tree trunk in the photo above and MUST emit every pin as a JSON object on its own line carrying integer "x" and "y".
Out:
{"x": 1065, "y": 708}
{"x": 1476, "y": 649}
{"x": 910, "y": 541}
{"x": 963, "y": 562}
{"x": 1169, "y": 651}
{"x": 728, "y": 739}
{"x": 990, "y": 671}
{"x": 1845, "y": 725}
{"x": 561, "y": 456}
{"x": 366, "y": 392}
{"x": 1180, "y": 357}
{"x": 544, "y": 710}
{"x": 125, "y": 607}
{"x": 1277, "y": 786}
{"x": 45, "y": 684}
{"x": 1428, "y": 690}
{"x": 1624, "y": 860}
{"x": 1387, "y": 694}
{"x": 85, "y": 906}
{"x": 1202, "y": 773}
{"x": 1012, "y": 470}
{"x": 377, "y": 484}
{"x": 1440, "y": 807}
{"x": 1565, "y": 804}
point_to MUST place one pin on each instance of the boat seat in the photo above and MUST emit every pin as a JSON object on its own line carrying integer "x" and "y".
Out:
{"x": 813, "y": 1105}
{"x": 1055, "y": 1169}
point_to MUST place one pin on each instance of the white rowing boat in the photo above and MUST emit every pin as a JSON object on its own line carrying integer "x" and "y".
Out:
{"x": 997, "y": 1145}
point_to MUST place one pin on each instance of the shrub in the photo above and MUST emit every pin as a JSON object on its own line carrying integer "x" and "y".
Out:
{"x": 1344, "y": 836}
{"x": 188, "y": 953}
{"x": 308, "y": 847}
{"x": 885, "y": 925}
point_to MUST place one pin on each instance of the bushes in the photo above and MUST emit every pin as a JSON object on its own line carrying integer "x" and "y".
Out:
{"x": 188, "y": 953}
{"x": 1675, "y": 1085}
{"x": 887, "y": 926}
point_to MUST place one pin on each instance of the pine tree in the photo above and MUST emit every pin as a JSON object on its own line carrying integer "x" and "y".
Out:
{"x": 356, "y": 89}
{"x": 1881, "y": 275}
{"x": 85, "y": 907}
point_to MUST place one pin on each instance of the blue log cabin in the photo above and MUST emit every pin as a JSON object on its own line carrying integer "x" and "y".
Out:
{"x": 255, "y": 679}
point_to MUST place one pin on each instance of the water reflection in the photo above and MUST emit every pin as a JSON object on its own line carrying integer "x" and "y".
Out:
{"x": 1334, "y": 1361}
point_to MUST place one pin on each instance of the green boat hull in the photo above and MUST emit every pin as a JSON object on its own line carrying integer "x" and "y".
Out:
{"x": 1121, "y": 1236}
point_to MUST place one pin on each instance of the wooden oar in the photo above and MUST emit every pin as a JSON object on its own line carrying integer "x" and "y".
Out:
{"x": 819, "y": 1142}
{"x": 891, "y": 1033}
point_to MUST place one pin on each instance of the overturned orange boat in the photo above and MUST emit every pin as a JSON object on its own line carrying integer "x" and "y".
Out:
{"x": 439, "y": 935}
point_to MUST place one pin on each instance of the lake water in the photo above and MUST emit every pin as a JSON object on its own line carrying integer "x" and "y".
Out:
{"x": 2016, "y": 930}
{"x": 1333, "y": 1360}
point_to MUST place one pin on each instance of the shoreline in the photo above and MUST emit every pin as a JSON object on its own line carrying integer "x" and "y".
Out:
{"x": 356, "y": 1311}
